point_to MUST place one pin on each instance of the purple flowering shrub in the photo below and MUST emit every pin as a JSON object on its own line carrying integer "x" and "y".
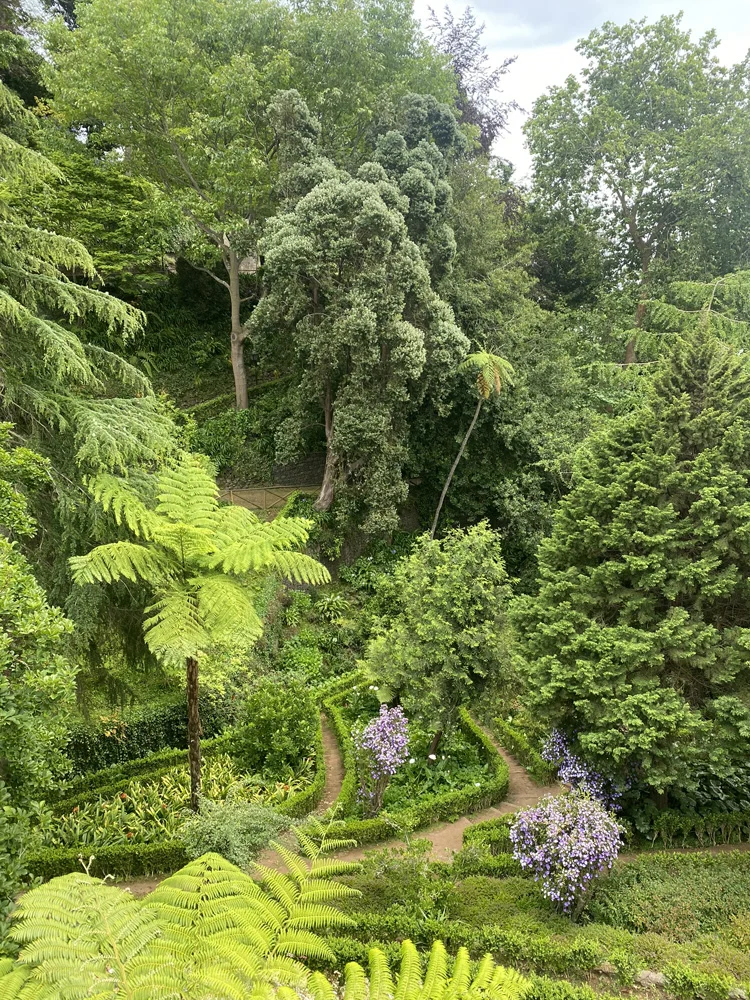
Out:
{"x": 381, "y": 746}
{"x": 574, "y": 771}
{"x": 567, "y": 842}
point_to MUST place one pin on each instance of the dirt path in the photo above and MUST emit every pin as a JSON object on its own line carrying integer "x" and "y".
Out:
{"x": 334, "y": 766}
{"x": 334, "y": 777}
{"x": 447, "y": 838}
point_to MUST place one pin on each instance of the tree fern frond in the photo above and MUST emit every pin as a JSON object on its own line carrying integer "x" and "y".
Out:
{"x": 173, "y": 627}
{"x": 188, "y": 493}
{"x": 281, "y": 886}
{"x": 381, "y": 981}
{"x": 297, "y": 868}
{"x": 410, "y": 974}
{"x": 226, "y": 609}
{"x": 118, "y": 561}
{"x": 113, "y": 494}
{"x": 301, "y": 942}
{"x": 459, "y": 981}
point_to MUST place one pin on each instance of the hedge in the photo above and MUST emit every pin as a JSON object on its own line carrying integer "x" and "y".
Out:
{"x": 492, "y": 835}
{"x": 518, "y": 744}
{"x": 120, "y": 860}
{"x": 537, "y": 951}
{"x": 93, "y": 747}
{"x": 430, "y": 809}
{"x": 305, "y": 801}
{"x": 706, "y": 828}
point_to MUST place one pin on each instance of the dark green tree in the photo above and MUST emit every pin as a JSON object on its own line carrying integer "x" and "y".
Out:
{"x": 638, "y": 641}
{"x": 448, "y": 640}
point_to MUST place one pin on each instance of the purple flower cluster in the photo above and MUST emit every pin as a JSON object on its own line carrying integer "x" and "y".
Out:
{"x": 566, "y": 841}
{"x": 574, "y": 771}
{"x": 381, "y": 747}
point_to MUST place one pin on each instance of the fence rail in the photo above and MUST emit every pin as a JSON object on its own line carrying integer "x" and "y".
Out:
{"x": 266, "y": 501}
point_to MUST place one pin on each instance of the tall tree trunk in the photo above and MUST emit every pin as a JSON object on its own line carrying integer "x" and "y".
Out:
{"x": 461, "y": 450}
{"x": 194, "y": 731}
{"x": 327, "y": 490}
{"x": 238, "y": 334}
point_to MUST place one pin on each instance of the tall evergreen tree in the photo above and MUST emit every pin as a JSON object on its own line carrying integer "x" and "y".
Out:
{"x": 638, "y": 641}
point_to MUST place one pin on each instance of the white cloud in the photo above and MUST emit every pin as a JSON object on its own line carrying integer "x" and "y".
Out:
{"x": 543, "y": 35}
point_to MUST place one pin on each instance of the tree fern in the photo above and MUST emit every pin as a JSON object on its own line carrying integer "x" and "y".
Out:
{"x": 186, "y": 544}
{"x": 212, "y": 931}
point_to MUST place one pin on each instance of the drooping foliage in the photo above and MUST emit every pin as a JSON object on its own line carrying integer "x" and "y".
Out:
{"x": 637, "y": 642}
{"x": 51, "y": 376}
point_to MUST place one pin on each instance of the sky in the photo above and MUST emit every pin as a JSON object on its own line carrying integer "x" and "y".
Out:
{"x": 542, "y": 34}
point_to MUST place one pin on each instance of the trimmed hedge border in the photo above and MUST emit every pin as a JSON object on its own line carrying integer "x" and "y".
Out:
{"x": 541, "y": 952}
{"x": 434, "y": 809}
{"x": 308, "y": 799}
{"x": 120, "y": 860}
{"x": 517, "y": 744}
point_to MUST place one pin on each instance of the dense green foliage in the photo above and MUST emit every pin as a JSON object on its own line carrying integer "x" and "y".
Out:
{"x": 636, "y": 641}
{"x": 447, "y": 642}
{"x": 550, "y": 377}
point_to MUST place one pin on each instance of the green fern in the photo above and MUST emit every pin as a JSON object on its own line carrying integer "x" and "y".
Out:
{"x": 201, "y": 561}
{"x": 49, "y": 375}
{"x": 211, "y": 931}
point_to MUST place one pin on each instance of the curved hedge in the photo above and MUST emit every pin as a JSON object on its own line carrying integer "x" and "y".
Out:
{"x": 430, "y": 809}
{"x": 518, "y": 744}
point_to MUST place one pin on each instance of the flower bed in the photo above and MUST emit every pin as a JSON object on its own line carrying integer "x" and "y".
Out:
{"x": 429, "y": 808}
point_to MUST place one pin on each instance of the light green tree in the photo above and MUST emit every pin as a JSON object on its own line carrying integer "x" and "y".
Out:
{"x": 200, "y": 559}
{"x": 492, "y": 373}
{"x": 654, "y": 133}
{"x": 447, "y": 642}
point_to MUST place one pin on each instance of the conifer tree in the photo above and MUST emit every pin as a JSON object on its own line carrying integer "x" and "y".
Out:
{"x": 638, "y": 641}
{"x": 50, "y": 376}
{"x": 189, "y": 552}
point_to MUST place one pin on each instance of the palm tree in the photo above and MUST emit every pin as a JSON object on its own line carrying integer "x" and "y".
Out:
{"x": 492, "y": 372}
{"x": 200, "y": 560}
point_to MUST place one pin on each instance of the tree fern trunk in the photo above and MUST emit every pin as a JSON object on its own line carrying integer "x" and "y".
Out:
{"x": 194, "y": 732}
{"x": 461, "y": 450}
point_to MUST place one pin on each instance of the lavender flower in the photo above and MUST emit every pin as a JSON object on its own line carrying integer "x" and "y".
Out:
{"x": 382, "y": 746}
{"x": 574, "y": 771}
{"x": 567, "y": 842}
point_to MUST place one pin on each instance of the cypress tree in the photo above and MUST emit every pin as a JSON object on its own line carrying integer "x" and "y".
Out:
{"x": 638, "y": 641}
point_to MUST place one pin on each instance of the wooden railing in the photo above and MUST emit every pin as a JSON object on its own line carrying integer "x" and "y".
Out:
{"x": 266, "y": 501}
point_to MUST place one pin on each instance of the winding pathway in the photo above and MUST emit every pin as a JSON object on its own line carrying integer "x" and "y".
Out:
{"x": 446, "y": 837}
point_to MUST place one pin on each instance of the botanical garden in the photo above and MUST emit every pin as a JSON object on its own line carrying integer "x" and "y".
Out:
{"x": 374, "y": 526}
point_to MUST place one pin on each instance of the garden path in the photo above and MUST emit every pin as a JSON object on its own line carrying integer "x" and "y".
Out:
{"x": 446, "y": 838}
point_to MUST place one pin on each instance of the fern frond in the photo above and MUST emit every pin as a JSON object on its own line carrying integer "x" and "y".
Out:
{"x": 117, "y": 496}
{"x": 226, "y": 609}
{"x": 321, "y": 989}
{"x": 381, "y": 981}
{"x": 121, "y": 561}
{"x": 188, "y": 493}
{"x": 436, "y": 976}
{"x": 300, "y": 942}
{"x": 357, "y": 987}
{"x": 173, "y": 627}
{"x": 459, "y": 981}
{"x": 410, "y": 974}
{"x": 295, "y": 864}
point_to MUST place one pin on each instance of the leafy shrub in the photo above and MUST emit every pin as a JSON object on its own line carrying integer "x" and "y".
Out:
{"x": 280, "y": 722}
{"x": 299, "y": 658}
{"x": 479, "y": 901}
{"x": 567, "y": 842}
{"x": 493, "y": 835}
{"x": 236, "y": 830}
{"x": 678, "y": 896}
{"x": 687, "y": 984}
